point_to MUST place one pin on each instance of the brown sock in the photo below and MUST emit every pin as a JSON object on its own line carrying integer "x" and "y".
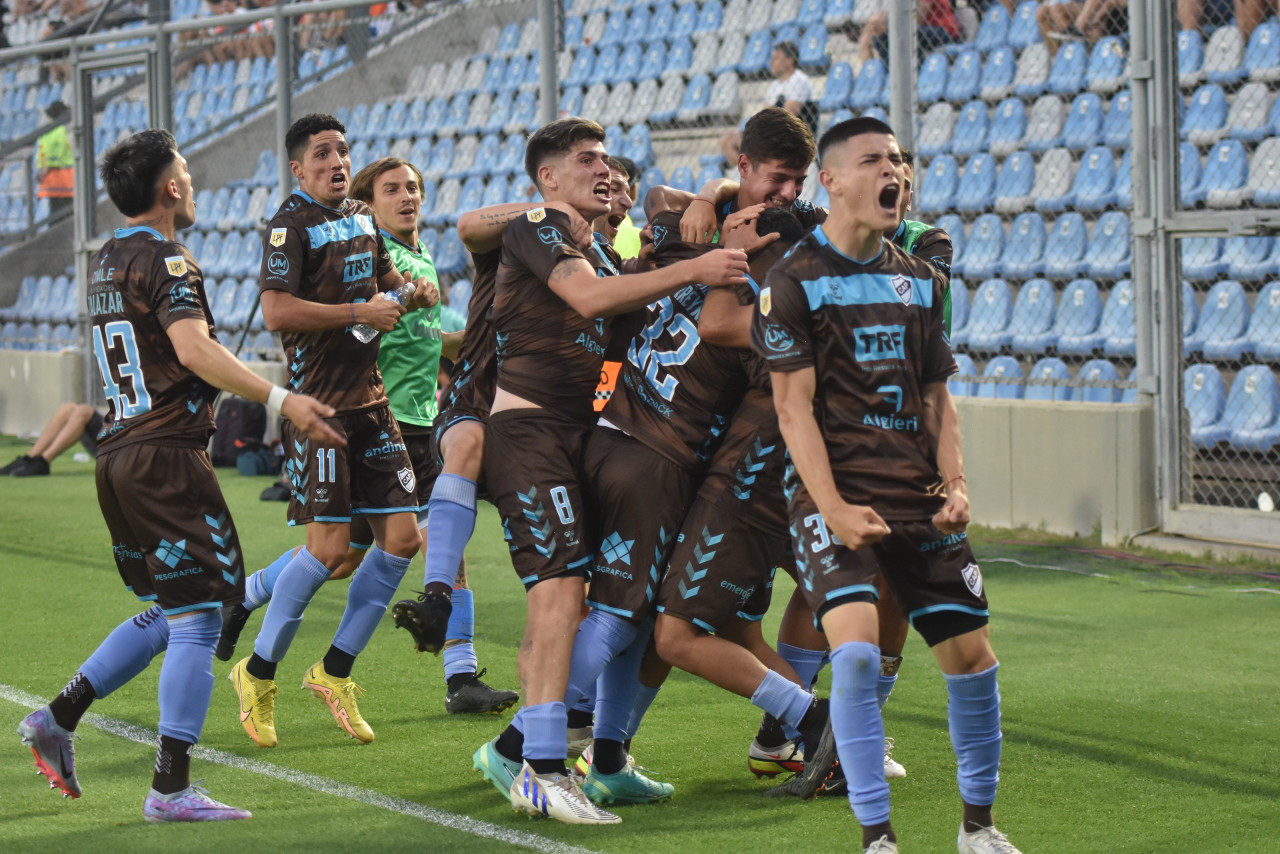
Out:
{"x": 976, "y": 817}
{"x": 872, "y": 832}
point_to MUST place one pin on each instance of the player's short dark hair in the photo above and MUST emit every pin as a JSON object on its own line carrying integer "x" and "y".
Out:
{"x": 908, "y": 156}
{"x": 848, "y": 129}
{"x": 364, "y": 181}
{"x": 777, "y": 134}
{"x": 788, "y": 49}
{"x": 132, "y": 168}
{"x": 628, "y": 166}
{"x": 301, "y": 131}
{"x": 555, "y": 139}
{"x": 780, "y": 221}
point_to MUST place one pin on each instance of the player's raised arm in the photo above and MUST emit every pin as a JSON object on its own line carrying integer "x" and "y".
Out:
{"x": 481, "y": 230}
{"x": 574, "y": 281}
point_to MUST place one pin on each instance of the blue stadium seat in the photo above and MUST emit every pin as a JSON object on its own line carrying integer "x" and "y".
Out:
{"x": 607, "y": 65}
{"x": 755, "y": 58}
{"x": 1117, "y": 125}
{"x": 1065, "y": 247}
{"x": 1094, "y": 185}
{"x": 682, "y": 179}
{"x": 1083, "y": 128}
{"x": 499, "y": 113}
{"x": 1250, "y": 259}
{"x": 1109, "y": 252}
{"x": 1008, "y": 126}
{"x": 1023, "y": 31}
{"x": 993, "y": 31}
{"x": 1031, "y": 323}
{"x": 613, "y": 138}
{"x": 1124, "y": 182}
{"x": 1097, "y": 371}
{"x": 1189, "y": 174}
{"x": 580, "y": 72}
{"x": 1262, "y": 54}
{"x": 983, "y": 250}
{"x": 1190, "y": 57}
{"x": 509, "y": 40}
{"x": 662, "y": 21}
{"x": 1050, "y": 371}
{"x": 1202, "y": 258}
{"x": 813, "y": 50}
{"x": 1107, "y": 69}
{"x": 486, "y": 156}
{"x": 998, "y": 74}
{"x": 441, "y": 158}
{"x": 936, "y": 188}
{"x": 1223, "y": 319}
{"x": 696, "y": 98}
{"x": 1067, "y": 75}
{"x": 989, "y": 314}
{"x": 970, "y": 134}
{"x": 494, "y": 74}
{"x": 1204, "y": 397}
{"x": 1226, "y": 171}
{"x": 1263, "y": 335}
{"x": 470, "y": 196}
{"x": 523, "y": 112}
{"x": 839, "y": 85}
{"x": 1117, "y": 326}
{"x": 931, "y": 83}
{"x": 571, "y": 101}
{"x": 1205, "y": 120}
{"x": 26, "y": 299}
{"x": 871, "y": 81}
{"x": 1075, "y": 328}
{"x": 710, "y": 17}
{"x": 1045, "y": 123}
{"x": 964, "y": 368}
{"x": 965, "y": 80}
{"x": 1013, "y": 186}
{"x": 954, "y": 227}
{"x": 496, "y": 191}
{"x": 685, "y": 21}
{"x": 437, "y": 108}
{"x": 1249, "y": 417}
{"x": 977, "y": 184}
{"x": 654, "y": 61}
{"x": 639, "y": 147}
{"x": 639, "y": 25}
{"x": 573, "y": 26}
{"x": 1005, "y": 367}
{"x": 961, "y": 303}
{"x": 1190, "y": 311}
{"x": 517, "y": 70}
{"x": 707, "y": 173}
{"x": 1023, "y": 253}
{"x": 615, "y": 31}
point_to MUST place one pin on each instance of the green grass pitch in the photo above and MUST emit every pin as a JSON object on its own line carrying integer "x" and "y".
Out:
{"x": 1139, "y": 715}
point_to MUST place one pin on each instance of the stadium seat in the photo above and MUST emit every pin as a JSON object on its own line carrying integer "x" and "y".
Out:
{"x": 993, "y": 31}
{"x": 935, "y": 129}
{"x": 613, "y": 137}
{"x": 1249, "y": 118}
{"x": 524, "y": 113}
{"x": 1249, "y": 259}
{"x": 1055, "y": 175}
{"x": 838, "y": 14}
{"x": 814, "y": 58}
{"x": 931, "y": 83}
{"x": 486, "y": 155}
{"x": 1204, "y": 397}
{"x": 960, "y": 309}
{"x": 1224, "y": 57}
{"x": 989, "y": 314}
{"x": 1094, "y": 186}
{"x": 656, "y": 58}
{"x": 639, "y": 146}
{"x": 594, "y": 99}
{"x": 983, "y": 249}
{"x": 1045, "y": 378}
{"x": 1249, "y": 417}
{"x": 1023, "y": 31}
{"x": 584, "y": 60}
{"x": 1108, "y": 66}
{"x": 1031, "y": 79}
{"x": 964, "y": 368}
{"x": 1205, "y": 120}
{"x": 1064, "y": 250}
{"x": 732, "y": 47}
{"x": 1031, "y": 323}
{"x": 965, "y": 80}
{"x": 696, "y": 98}
{"x": 755, "y": 57}
{"x": 1190, "y": 58}
{"x": 571, "y": 101}
{"x": 646, "y": 98}
{"x": 977, "y": 184}
{"x": 511, "y": 159}
{"x": 496, "y": 191}
{"x": 1083, "y": 126}
{"x": 1117, "y": 125}
{"x": 1189, "y": 173}
{"x": 441, "y": 160}
{"x": 1008, "y": 127}
{"x": 1263, "y": 336}
{"x": 1022, "y": 257}
{"x": 1262, "y": 54}
{"x": 615, "y": 29}
{"x": 1264, "y": 172}
{"x": 836, "y": 90}
{"x": 998, "y": 74}
{"x": 608, "y": 62}
{"x": 1045, "y": 123}
{"x": 1124, "y": 182}
{"x": 1014, "y": 184}
{"x": 437, "y": 108}
{"x": 869, "y": 86}
{"x": 970, "y": 133}
{"x": 1224, "y": 316}
{"x": 710, "y": 17}
{"x": 810, "y": 12}
{"x": 1097, "y": 371}
{"x": 1108, "y": 255}
{"x": 1117, "y": 326}
{"x": 1067, "y": 74}
{"x": 1076, "y": 329}
{"x": 670, "y": 97}
{"x": 1202, "y": 258}
{"x": 619, "y": 106}
{"x": 1001, "y": 367}
{"x": 954, "y": 227}
{"x": 725, "y": 101}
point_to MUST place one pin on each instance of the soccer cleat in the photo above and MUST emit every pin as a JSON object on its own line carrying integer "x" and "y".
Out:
{"x": 257, "y": 704}
{"x": 52, "y": 747}
{"x": 496, "y": 768}
{"x": 881, "y": 846}
{"x": 340, "y": 696}
{"x": 583, "y": 763}
{"x": 19, "y": 461}
{"x": 233, "y": 619}
{"x": 33, "y": 467}
{"x": 556, "y": 796}
{"x": 191, "y": 804}
{"x": 468, "y": 695}
{"x": 818, "y": 768}
{"x": 892, "y": 768}
{"x": 984, "y": 840}
{"x": 627, "y": 786}
{"x": 772, "y": 761}
{"x": 426, "y": 619}
{"x": 580, "y": 739}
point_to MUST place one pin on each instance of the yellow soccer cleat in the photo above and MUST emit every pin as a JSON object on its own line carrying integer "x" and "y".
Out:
{"x": 257, "y": 704}
{"x": 340, "y": 696}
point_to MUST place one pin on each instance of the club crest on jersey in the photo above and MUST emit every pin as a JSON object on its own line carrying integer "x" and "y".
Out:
{"x": 550, "y": 235}
{"x": 277, "y": 264}
{"x": 277, "y": 236}
{"x": 176, "y": 265}
{"x": 410, "y": 483}
{"x": 536, "y": 215}
{"x": 766, "y": 301}
{"x": 778, "y": 339}
{"x": 902, "y": 287}
{"x": 972, "y": 578}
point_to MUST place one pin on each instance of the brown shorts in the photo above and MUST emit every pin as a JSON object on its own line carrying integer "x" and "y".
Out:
{"x": 419, "y": 444}
{"x": 173, "y": 538}
{"x": 747, "y": 467}
{"x": 372, "y": 474}
{"x": 637, "y": 500}
{"x": 532, "y": 464}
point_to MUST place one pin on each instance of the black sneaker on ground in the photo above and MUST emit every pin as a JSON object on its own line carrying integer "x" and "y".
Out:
{"x": 233, "y": 620}
{"x": 33, "y": 467}
{"x": 467, "y": 695}
{"x": 18, "y": 462}
{"x": 819, "y": 764}
{"x": 426, "y": 619}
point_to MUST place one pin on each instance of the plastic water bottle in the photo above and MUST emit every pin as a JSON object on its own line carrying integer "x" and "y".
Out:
{"x": 366, "y": 333}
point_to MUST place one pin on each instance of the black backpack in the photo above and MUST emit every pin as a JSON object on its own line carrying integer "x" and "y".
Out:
{"x": 241, "y": 425}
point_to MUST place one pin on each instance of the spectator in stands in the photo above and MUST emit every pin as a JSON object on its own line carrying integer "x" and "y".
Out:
{"x": 71, "y": 423}
{"x": 937, "y": 26}
{"x": 55, "y": 163}
{"x": 1249, "y": 14}
{"x": 1086, "y": 21}
{"x": 792, "y": 90}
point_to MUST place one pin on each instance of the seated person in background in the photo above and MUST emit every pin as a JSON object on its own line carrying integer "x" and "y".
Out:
{"x": 938, "y": 26}
{"x": 71, "y": 423}
{"x": 793, "y": 91}
{"x": 1087, "y": 21}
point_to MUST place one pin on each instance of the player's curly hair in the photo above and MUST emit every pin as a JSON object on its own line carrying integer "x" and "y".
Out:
{"x": 555, "y": 139}
{"x": 132, "y": 168}
{"x": 363, "y": 183}
{"x": 777, "y": 134}
{"x": 301, "y": 131}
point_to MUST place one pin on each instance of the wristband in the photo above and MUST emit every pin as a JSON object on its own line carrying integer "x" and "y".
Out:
{"x": 275, "y": 398}
{"x": 953, "y": 480}
{"x": 700, "y": 199}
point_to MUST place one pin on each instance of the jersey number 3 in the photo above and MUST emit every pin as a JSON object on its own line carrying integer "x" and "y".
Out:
{"x": 653, "y": 362}
{"x": 119, "y": 334}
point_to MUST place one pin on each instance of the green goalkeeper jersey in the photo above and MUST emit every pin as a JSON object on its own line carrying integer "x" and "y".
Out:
{"x": 933, "y": 245}
{"x": 409, "y": 355}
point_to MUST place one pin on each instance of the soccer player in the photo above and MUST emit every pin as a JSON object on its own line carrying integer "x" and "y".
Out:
{"x": 324, "y": 263}
{"x": 852, "y": 330}
{"x": 174, "y": 542}
{"x": 550, "y": 311}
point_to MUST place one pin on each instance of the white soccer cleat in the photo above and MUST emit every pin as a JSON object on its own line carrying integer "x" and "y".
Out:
{"x": 881, "y": 846}
{"x": 984, "y": 840}
{"x": 556, "y": 796}
{"x": 892, "y": 768}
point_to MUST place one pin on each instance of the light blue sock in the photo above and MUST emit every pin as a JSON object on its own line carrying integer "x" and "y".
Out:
{"x": 127, "y": 651}
{"x": 973, "y": 716}
{"x": 806, "y": 662}
{"x": 884, "y": 687}
{"x": 782, "y": 698}
{"x": 619, "y": 687}
{"x": 600, "y": 637}
{"x": 451, "y": 519}
{"x": 859, "y": 731}
{"x": 186, "y": 676}
{"x": 545, "y": 728}
{"x": 259, "y": 586}
{"x": 644, "y": 699}
{"x": 461, "y": 658}
{"x": 296, "y": 584}
{"x": 371, "y": 591}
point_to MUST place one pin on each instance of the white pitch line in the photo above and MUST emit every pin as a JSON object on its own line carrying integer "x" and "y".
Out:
{"x": 326, "y": 786}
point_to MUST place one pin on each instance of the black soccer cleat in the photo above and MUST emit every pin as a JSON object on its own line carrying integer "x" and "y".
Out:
{"x": 819, "y": 767}
{"x": 467, "y": 695}
{"x": 233, "y": 619}
{"x": 426, "y": 619}
{"x": 18, "y": 462}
